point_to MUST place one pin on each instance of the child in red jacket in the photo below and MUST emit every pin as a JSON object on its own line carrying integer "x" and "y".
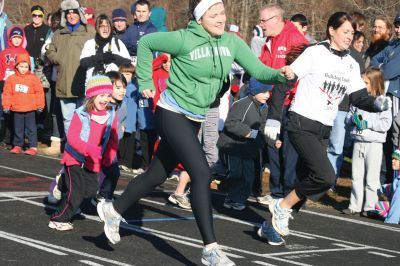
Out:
{"x": 16, "y": 43}
{"x": 23, "y": 95}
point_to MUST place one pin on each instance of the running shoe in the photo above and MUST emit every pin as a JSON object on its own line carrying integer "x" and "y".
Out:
{"x": 60, "y": 226}
{"x": 229, "y": 204}
{"x": 180, "y": 200}
{"x": 265, "y": 200}
{"x": 215, "y": 257}
{"x": 267, "y": 232}
{"x": 280, "y": 217}
{"x": 111, "y": 220}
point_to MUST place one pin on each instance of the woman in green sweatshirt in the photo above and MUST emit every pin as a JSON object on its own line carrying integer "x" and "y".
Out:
{"x": 201, "y": 58}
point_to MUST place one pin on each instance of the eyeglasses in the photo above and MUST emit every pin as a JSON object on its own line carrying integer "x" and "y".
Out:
{"x": 263, "y": 21}
{"x": 37, "y": 16}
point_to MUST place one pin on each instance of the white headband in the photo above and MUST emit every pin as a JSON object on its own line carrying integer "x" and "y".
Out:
{"x": 203, "y": 6}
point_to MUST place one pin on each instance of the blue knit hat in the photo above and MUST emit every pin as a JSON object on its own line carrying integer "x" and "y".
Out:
{"x": 119, "y": 14}
{"x": 256, "y": 87}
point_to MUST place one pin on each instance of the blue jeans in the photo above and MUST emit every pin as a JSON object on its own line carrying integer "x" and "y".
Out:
{"x": 282, "y": 164}
{"x": 25, "y": 122}
{"x": 241, "y": 178}
{"x": 68, "y": 106}
{"x": 110, "y": 181}
{"x": 336, "y": 142}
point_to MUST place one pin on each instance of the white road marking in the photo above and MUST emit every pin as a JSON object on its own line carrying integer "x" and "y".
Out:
{"x": 263, "y": 263}
{"x": 8, "y": 200}
{"x": 341, "y": 218}
{"x": 54, "y": 248}
{"x": 25, "y": 172}
{"x": 342, "y": 245}
{"x": 381, "y": 254}
{"x": 316, "y": 251}
{"x": 27, "y": 243}
{"x": 91, "y": 263}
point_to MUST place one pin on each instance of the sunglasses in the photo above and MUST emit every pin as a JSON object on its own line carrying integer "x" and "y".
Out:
{"x": 37, "y": 16}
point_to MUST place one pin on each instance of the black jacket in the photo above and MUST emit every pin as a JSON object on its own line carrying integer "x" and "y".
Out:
{"x": 35, "y": 38}
{"x": 244, "y": 115}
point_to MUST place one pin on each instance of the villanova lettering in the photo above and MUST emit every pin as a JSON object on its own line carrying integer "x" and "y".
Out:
{"x": 204, "y": 52}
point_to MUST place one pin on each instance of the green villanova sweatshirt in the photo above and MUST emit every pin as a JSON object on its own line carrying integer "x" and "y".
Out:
{"x": 200, "y": 64}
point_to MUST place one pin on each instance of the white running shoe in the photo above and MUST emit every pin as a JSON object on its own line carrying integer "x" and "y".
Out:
{"x": 111, "y": 220}
{"x": 280, "y": 217}
{"x": 60, "y": 226}
{"x": 265, "y": 200}
{"x": 215, "y": 257}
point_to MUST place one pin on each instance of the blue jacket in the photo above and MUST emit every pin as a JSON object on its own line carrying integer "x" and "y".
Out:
{"x": 122, "y": 115}
{"x": 389, "y": 61}
{"x": 134, "y": 33}
{"x": 393, "y": 216}
{"x": 131, "y": 100}
{"x": 145, "y": 113}
{"x": 85, "y": 132}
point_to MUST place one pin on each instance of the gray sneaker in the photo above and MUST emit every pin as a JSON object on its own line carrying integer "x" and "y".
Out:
{"x": 229, "y": 204}
{"x": 215, "y": 257}
{"x": 180, "y": 200}
{"x": 111, "y": 221}
{"x": 280, "y": 217}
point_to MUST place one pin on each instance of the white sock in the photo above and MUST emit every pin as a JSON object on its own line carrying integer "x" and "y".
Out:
{"x": 210, "y": 246}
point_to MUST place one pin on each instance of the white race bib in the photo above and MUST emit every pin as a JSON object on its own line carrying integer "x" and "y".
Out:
{"x": 21, "y": 88}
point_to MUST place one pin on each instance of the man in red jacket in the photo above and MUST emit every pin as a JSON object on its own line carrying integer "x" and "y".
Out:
{"x": 282, "y": 36}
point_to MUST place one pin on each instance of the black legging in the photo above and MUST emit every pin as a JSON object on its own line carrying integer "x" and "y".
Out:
{"x": 179, "y": 144}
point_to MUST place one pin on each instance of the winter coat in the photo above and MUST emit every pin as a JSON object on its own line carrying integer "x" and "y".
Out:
{"x": 245, "y": 114}
{"x": 389, "y": 61}
{"x": 23, "y": 93}
{"x": 133, "y": 34}
{"x": 90, "y": 58}
{"x": 65, "y": 50}
{"x": 35, "y": 38}
{"x": 378, "y": 125}
{"x": 200, "y": 64}
{"x": 8, "y": 57}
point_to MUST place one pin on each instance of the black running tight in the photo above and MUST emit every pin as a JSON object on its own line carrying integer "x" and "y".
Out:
{"x": 179, "y": 144}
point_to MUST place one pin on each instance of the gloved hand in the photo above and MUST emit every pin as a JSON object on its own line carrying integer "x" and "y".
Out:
{"x": 271, "y": 131}
{"x": 253, "y": 134}
{"x": 360, "y": 123}
{"x": 6, "y": 111}
{"x": 108, "y": 58}
{"x": 382, "y": 103}
{"x": 39, "y": 110}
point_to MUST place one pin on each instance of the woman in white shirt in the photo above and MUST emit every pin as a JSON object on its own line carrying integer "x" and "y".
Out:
{"x": 326, "y": 72}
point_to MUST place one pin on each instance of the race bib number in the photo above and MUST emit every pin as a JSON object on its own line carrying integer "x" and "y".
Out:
{"x": 134, "y": 60}
{"x": 143, "y": 103}
{"x": 21, "y": 88}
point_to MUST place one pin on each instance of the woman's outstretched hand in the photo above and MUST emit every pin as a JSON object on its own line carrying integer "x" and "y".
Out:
{"x": 287, "y": 72}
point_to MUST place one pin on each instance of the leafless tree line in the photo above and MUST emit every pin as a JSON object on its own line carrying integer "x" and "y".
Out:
{"x": 243, "y": 13}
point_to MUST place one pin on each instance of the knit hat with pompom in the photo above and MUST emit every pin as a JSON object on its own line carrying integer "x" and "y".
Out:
{"x": 98, "y": 85}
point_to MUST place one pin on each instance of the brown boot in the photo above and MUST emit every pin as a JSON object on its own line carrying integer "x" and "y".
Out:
{"x": 54, "y": 149}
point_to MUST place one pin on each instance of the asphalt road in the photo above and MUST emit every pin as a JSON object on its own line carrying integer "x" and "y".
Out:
{"x": 160, "y": 234}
